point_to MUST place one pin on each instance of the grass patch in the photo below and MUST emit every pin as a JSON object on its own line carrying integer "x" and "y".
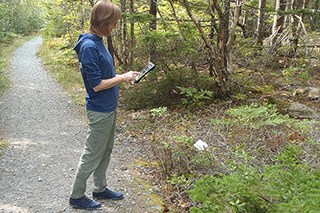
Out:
{"x": 289, "y": 185}
{"x": 61, "y": 63}
{"x": 3, "y": 145}
{"x": 154, "y": 200}
{"x": 241, "y": 139}
{"x": 5, "y": 55}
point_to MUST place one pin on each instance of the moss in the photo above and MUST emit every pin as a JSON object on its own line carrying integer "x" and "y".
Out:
{"x": 3, "y": 145}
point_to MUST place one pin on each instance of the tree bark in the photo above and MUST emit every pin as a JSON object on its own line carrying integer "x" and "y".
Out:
{"x": 260, "y": 22}
{"x": 294, "y": 28}
{"x": 132, "y": 34}
{"x": 112, "y": 51}
{"x": 278, "y": 22}
{"x": 314, "y": 20}
{"x": 232, "y": 34}
{"x": 218, "y": 58}
{"x": 124, "y": 33}
{"x": 153, "y": 26}
{"x": 174, "y": 11}
{"x": 91, "y": 2}
{"x": 223, "y": 35}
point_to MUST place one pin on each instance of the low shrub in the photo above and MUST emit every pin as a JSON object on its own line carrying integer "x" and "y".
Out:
{"x": 289, "y": 185}
{"x": 168, "y": 89}
{"x": 245, "y": 144}
{"x": 61, "y": 62}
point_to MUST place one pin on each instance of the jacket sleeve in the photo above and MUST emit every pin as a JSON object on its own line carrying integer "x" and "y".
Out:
{"x": 90, "y": 60}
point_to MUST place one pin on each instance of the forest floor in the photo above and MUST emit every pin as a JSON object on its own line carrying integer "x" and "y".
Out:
{"x": 45, "y": 134}
{"x": 46, "y": 131}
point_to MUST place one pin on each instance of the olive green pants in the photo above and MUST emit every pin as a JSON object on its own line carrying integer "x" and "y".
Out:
{"x": 97, "y": 152}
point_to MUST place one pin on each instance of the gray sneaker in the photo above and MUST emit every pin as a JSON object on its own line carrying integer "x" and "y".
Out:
{"x": 108, "y": 194}
{"x": 84, "y": 203}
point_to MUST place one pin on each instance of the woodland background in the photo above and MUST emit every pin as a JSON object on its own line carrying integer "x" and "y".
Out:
{"x": 230, "y": 73}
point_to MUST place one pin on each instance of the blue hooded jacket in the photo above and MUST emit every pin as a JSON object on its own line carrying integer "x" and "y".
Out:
{"x": 96, "y": 64}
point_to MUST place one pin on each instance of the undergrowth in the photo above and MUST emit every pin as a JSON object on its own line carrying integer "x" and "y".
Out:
{"x": 249, "y": 147}
{"x": 61, "y": 62}
{"x": 288, "y": 185}
{"x": 7, "y": 48}
{"x": 3, "y": 145}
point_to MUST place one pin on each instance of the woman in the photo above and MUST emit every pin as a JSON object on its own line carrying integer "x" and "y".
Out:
{"x": 101, "y": 82}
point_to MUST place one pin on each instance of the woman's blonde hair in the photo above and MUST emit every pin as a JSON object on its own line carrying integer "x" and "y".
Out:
{"x": 104, "y": 14}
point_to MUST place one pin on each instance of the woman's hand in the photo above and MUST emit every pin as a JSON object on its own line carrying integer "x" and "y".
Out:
{"x": 129, "y": 76}
{"x": 108, "y": 83}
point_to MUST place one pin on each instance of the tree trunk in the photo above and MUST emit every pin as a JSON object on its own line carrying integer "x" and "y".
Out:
{"x": 174, "y": 11}
{"x": 243, "y": 24}
{"x": 278, "y": 20}
{"x": 221, "y": 58}
{"x": 232, "y": 34}
{"x": 277, "y": 27}
{"x": 91, "y": 2}
{"x": 315, "y": 20}
{"x": 260, "y": 22}
{"x": 213, "y": 30}
{"x": 112, "y": 51}
{"x": 153, "y": 26}
{"x": 294, "y": 28}
{"x": 132, "y": 34}
{"x": 297, "y": 25}
{"x": 218, "y": 59}
{"x": 123, "y": 33}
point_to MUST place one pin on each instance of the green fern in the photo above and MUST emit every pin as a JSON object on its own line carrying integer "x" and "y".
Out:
{"x": 259, "y": 116}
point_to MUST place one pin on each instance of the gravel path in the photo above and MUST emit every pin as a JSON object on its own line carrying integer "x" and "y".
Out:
{"x": 46, "y": 136}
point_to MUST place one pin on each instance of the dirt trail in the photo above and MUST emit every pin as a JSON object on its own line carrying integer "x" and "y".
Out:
{"x": 46, "y": 136}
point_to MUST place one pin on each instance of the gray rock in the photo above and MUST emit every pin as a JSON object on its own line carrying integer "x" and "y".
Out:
{"x": 298, "y": 110}
{"x": 311, "y": 92}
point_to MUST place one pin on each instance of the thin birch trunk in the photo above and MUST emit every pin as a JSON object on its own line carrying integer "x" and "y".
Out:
{"x": 260, "y": 21}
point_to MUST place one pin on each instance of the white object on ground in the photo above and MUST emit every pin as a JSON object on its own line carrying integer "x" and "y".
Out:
{"x": 200, "y": 145}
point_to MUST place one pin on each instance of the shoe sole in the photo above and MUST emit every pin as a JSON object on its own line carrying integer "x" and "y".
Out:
{"x": 77, "y": 207}
{"x": 102, "y": 198}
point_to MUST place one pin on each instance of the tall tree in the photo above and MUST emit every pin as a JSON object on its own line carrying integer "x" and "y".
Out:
{"x": 91, "y": 2}
{"x": 153, "y": 26}
{"x": 260, "y": 22}
{"x": 221, "y": 66}
{"x": 219, "y": 63}
{"x": 132, "y": 33}
{"x": 123, "y": 33}
{"x": 278, "y": 22}
{"x": 232, "y": 34}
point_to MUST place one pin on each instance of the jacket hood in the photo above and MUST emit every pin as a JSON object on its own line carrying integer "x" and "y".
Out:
{"x": 84, "y": 37}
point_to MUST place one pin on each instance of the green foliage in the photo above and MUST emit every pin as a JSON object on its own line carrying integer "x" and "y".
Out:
{"x": 5, "y": 55}
{"x": 159, "y": 112}
{"x": 292, "y": 74}
{"x": 259, "y": 116}
{"x": 19, "y": 17}
{"x": 287, "y": 186}
{"x": 138, "y": 17}
{"x": 66, "y": 18}
{"x": 158, "y": 90}
{"x": 155, "y": 94}
{"x": 3, "y": 145}
{"x": 194, "y": 96}
{"x": 61, "y": 62}
{"x": 240, "y": 142}
{"x": 182, "y": 181}
{"x": 4, "y": 81}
